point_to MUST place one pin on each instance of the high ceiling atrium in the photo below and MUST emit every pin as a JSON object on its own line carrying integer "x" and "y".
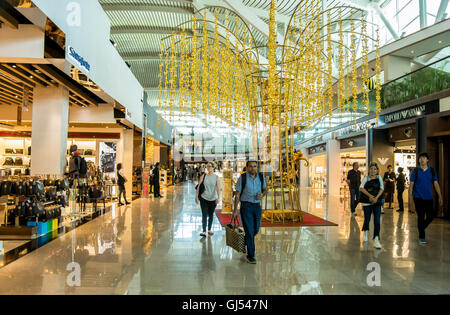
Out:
{"x": 137, "y": 28}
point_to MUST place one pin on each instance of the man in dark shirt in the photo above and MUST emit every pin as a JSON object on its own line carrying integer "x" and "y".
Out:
{"x": 354, "y": 181}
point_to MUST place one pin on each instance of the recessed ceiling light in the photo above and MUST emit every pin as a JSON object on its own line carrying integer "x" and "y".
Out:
{"x": 14, "y": 66}
{"x": 440, "y": 42}
{"x": 412, "y": 51}
{"x": 31, "y": 77}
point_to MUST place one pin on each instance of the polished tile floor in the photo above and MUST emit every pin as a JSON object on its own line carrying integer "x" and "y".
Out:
{"x": 153, "y": 247}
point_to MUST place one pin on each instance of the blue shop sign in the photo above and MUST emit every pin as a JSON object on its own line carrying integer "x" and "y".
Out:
{"x": 80, "y": 60}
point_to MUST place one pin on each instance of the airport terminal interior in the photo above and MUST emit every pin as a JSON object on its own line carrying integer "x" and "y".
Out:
{"x": 224, "y": 147}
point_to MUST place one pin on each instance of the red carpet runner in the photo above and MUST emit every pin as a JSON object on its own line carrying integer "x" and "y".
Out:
{"x": 308, "y": 220}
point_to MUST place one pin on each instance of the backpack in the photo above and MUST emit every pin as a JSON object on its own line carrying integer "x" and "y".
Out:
{"x": 416, "y": 175}
{"x": 244, "y": 181}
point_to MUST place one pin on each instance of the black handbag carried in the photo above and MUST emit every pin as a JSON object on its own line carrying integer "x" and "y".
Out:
{"x": 202, "y": 186}
{"x": 373, "y": 187}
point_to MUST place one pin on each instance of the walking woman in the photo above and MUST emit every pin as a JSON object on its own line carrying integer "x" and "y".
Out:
{"x": 208, "y": 198}
{"x": 121, "y": 180}
{"x": 371, "y": 191}
{"x": 401, "y": 180}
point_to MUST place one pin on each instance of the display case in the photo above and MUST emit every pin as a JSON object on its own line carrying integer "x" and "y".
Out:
{"x": 15, "y": 155}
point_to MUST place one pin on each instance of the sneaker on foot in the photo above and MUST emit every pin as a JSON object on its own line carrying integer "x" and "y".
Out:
{"x": 422, "y": 241}
{"x": 210, "y": 232}
{"x": 377, "y": 243}
{"x": 203, "y": 234}
{"x": 366, "y": 236}
{"x": 251, "y": 260}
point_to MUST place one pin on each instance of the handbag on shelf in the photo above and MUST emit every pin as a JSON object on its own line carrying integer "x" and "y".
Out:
{"x": 8, "y": 161}
{"x": 9, "y": 151}
{"x": 18, "y": 161}
{"x": 5, "y": 189}
{"x": 89, "y": 152}
{"x": 38, "y": 189}
{"x": 18, "y": 151}
{"x": 17, "y": 172}
{"x": 95, "y": 193}
{"x": 235, "y": 236}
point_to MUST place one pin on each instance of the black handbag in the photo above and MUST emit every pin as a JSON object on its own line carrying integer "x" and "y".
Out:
{"x": 39, "y": 211}
{"x": 373, "y": 187}
{"x": 49, "y": 182}
{"x": 95, "y": 193}
{"x": 9, "y": 151}
{"x": 5, "y": 189}
{"x": 50, "y": 194}
{"x": 18, "y": 151}
{"x": 18, "y": 161}
{"x": 38, "y": 189}
{"x": 8, "y": 161}
{"x": 202, "y": 186}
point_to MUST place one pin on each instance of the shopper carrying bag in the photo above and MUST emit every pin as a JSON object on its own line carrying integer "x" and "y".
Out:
{"x": 372, "y": 188}
{"x": 207, "y": 194}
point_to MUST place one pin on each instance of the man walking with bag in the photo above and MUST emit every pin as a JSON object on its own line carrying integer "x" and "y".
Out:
{"x": 423, "y": 178}
{"x": 250, "y": 190}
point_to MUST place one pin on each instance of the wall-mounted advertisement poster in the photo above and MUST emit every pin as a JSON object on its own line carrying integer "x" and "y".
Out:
{"x": 108, "y": 151}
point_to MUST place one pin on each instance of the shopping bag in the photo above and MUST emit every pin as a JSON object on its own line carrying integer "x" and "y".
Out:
{"x": 235, "y": 236}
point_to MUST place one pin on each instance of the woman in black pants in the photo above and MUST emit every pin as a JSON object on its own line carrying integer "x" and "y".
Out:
{"x": 400, "y": 188}
{"x": 121, "y": 180}
{"x": 208, "y": 198}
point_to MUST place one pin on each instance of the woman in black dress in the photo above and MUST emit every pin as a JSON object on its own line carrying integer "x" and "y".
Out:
{"x": 389, "y": 185}
{"x": 401, "y": 180}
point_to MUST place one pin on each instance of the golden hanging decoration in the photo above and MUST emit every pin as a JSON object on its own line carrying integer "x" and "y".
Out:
{"x": 277, "y": 89}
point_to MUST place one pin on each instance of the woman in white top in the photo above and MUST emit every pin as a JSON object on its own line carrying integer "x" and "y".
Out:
{"x": 372, "y": 189}
{"x": 209, "y": 198}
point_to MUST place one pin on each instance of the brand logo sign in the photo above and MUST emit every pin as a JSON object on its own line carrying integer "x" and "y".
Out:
{"x": 383, "y": 161}
{"x": 362, "y": 126}
{"x": 78, "y": 59}
{"x": 416, "y": 111}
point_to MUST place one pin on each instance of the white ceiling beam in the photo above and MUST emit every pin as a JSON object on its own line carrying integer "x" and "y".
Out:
{"x": 249, "y": 16}
{"x": 145, "y": 30}
{"x": 441, "y": 11}
{"x": 199, "y": 5}
{"x": 145, "y": 7}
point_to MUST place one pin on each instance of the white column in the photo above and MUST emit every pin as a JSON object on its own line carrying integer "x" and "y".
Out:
{"x": 49, "y": 131}
{"x": 333, "y": 167}
{"x": 125, "y": 156}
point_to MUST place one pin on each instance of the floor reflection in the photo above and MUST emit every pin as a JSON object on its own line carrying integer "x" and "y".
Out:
{"x": 154, "y": 247}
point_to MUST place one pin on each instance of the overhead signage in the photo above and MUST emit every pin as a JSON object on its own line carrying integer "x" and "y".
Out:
{"x": 78, "y": 59}
{"x": 361, "y": 126}
{"x": 412, "y": 112}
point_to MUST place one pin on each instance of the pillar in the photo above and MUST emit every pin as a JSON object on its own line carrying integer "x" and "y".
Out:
{"x": 49, "y": 131}
{"x": 333, "y": 167}
{"x": 125, "y": 156}
{"x": 421, "y": 136}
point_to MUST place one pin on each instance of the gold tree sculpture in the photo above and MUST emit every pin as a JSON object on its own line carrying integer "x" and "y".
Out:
{"x": 218, "y": 66}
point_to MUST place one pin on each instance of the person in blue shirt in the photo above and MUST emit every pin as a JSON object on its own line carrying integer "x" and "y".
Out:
{"x": 250, "y": 197}
{"x": 423, "y": 178}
